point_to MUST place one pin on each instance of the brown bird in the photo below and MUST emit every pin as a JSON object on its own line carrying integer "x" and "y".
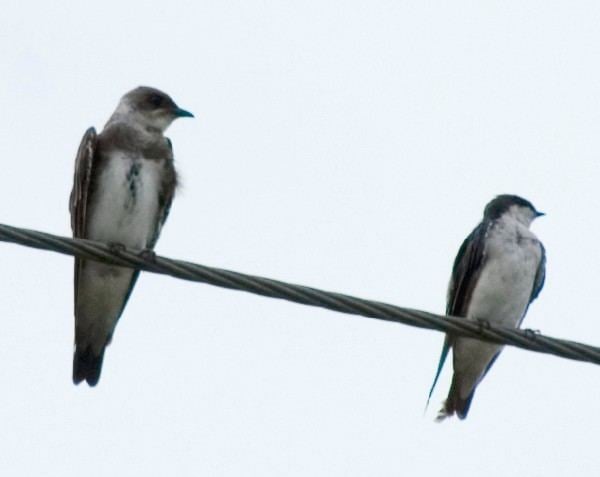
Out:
{"x": 122, "y": 191}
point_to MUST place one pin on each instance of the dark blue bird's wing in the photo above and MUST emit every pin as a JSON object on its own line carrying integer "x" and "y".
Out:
{"x": 465, "y": 273}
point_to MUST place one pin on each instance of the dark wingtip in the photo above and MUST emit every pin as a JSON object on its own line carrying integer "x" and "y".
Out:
{"x": 462, "y": 406}
{"x": 443, "y": 356}
{"x": 454, "y": 404}
{"x": 87, "y": 366}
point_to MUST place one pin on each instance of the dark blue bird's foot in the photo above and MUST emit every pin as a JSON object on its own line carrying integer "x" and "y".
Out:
{"x": 148, "y": 254}
{"x": 116, "y": 247}
{"x": 531, "y": 334}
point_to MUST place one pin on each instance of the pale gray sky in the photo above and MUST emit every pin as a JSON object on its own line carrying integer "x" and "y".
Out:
{"x": 344, "y": 145}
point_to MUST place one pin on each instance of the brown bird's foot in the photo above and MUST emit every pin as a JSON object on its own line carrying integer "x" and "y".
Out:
{"x": 483, "y": 325}
{"x": 116, "y": 247}
{"x": 148, "y": 254}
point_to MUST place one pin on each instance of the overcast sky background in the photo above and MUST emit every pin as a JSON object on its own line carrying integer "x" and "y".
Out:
{"x": 344, "y": 145}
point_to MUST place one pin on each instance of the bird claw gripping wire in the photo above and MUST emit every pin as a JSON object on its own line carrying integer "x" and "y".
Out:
{"x": 482, "y": 325}
{"x": 90, "y": 250}
{"x": 531, "y": 334}
{"x": 116, "y": 248}
{"x": 148, "y": 254}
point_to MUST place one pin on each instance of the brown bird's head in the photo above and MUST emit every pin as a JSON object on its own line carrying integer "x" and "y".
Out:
{"x": 151, "y": 108}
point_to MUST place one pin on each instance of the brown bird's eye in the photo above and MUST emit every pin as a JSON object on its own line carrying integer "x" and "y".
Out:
{"x": 156, "y": 100}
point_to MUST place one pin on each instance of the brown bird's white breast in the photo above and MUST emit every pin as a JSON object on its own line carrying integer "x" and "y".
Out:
{"x": 126, "y": 203}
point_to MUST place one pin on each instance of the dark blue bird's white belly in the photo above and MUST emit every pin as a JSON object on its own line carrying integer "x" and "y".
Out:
{"x": 501, "y": 295}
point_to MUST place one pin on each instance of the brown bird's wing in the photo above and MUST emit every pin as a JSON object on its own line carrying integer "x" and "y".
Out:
{"x": 165, "y": 198}
{"x": 85, "y": 365}
{"x": 81, "y": 182}
{"x": 84, "y": 162}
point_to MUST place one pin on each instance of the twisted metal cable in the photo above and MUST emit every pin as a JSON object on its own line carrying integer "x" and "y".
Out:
{"x": 482, "y": 330}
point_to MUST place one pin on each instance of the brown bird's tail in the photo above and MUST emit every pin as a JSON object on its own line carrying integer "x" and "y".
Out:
{"x": 87, "y": 365}
{"x": 454, "y": 403}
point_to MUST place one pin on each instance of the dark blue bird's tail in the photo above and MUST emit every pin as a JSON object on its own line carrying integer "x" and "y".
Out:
{"x": 454, "y": 403}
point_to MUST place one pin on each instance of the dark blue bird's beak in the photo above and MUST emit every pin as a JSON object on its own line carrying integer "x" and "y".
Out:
{"x": 539, "y": 214}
